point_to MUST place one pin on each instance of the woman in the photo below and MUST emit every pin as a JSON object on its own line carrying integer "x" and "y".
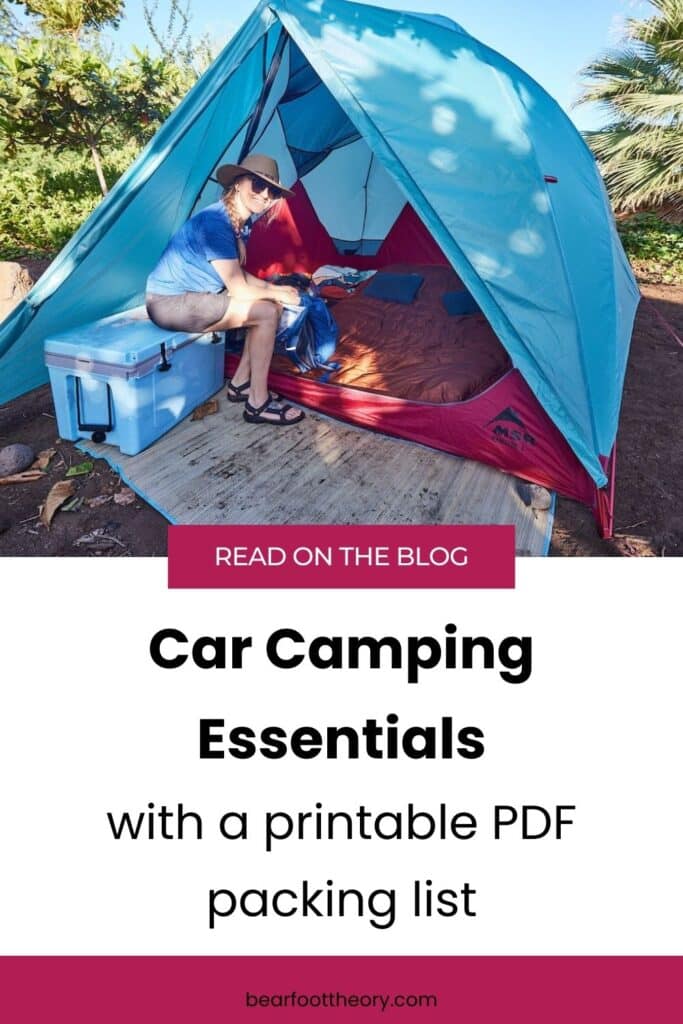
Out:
{"x": 200, "y": 284}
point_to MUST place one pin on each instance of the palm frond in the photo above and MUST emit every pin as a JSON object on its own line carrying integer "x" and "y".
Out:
{"x": 640, "y": 87}
{"x": 665, "y": 27}
{"x": 662, "y": 107}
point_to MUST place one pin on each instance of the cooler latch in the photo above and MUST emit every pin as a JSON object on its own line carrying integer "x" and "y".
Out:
{"x": 165, "y": 365}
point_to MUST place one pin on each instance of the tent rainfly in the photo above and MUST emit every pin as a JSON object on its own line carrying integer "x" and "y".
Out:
{"x": 406, "y": 136}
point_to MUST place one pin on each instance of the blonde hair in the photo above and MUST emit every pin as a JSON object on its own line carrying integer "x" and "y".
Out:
{"x": 229, "y": 202}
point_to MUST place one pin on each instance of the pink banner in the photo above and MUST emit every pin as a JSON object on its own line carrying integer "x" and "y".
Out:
{"x": 341, "y": 556}
{"x": 488, "y": 990}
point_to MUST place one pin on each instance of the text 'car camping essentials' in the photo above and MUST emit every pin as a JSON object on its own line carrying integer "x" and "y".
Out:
{"x": 126, "y": 381}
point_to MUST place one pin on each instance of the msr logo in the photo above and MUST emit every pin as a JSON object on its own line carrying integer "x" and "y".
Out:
{"x": 510, "y": 429}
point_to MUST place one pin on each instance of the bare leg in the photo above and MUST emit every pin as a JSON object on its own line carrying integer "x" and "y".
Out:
{"x": 261, "y": 319}
{"x": 243, "y": 372}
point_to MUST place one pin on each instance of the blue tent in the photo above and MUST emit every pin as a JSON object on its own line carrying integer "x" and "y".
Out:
{"x": 360, "y": 101}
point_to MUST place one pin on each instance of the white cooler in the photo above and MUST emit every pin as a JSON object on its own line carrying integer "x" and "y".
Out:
{"x": 125, "y": 381}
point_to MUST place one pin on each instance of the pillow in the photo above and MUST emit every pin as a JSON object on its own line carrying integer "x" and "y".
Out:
{"x": 394, "y": 287}
{"x": 459, "y": 303}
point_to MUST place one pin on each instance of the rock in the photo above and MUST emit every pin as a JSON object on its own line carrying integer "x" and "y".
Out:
{"x": 524, "y": 491}
{"x": 540, "y": 498}
{"x": 15, "y": 282}
{"x": 15, "y": 458}
{"x": 534, "y": 496}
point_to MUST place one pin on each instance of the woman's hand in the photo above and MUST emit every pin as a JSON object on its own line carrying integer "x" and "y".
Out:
{"x": 289, "y": 296}
{"x": 247, "y": 288}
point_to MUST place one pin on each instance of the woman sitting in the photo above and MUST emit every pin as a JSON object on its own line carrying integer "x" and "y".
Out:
{"x": 200, "y": 285}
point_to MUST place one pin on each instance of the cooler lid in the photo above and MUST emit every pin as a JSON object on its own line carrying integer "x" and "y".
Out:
{"x": 124, "y": 339}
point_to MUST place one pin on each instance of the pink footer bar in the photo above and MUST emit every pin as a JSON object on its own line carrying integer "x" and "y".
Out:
{"x": 533, "y": 990}
{"x": 341, "y": 556}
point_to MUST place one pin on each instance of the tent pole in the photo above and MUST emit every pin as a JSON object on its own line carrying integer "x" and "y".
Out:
{"x": 265, "y": 92}
{"x": 604, "y": 498}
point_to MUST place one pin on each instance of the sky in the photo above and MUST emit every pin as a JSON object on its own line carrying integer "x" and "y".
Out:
{"x": 551, "y": 40}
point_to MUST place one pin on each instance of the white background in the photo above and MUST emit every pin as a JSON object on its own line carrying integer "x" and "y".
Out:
{"x": 89, "y": 724}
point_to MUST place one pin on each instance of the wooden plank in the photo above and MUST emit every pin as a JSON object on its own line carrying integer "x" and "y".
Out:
{"x": 223, "y": 470}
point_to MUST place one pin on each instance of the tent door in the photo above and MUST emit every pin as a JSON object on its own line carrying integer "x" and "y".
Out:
{"x": 263, "y": 98}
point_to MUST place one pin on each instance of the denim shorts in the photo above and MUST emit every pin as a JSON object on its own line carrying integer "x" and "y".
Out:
{"x": 193, "y": 312}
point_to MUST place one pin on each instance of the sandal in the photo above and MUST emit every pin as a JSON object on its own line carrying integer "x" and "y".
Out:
{"x": 240, "y": 392}
{"x": 237, "y": 392}
{"x": 253, "y": 415}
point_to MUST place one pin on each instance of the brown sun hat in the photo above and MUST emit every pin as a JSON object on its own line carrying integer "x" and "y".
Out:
{"x": 260, "y": 166}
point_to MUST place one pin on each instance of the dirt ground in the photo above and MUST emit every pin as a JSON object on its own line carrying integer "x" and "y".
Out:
{"x": 649, "y": 496}
{"x": 649, "y": 491}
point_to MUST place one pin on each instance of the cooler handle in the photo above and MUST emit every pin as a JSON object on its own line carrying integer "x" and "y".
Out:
{"x": 106, "y": 427}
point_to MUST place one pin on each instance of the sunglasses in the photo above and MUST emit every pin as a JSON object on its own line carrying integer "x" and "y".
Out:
{"x": 258, "y": 186}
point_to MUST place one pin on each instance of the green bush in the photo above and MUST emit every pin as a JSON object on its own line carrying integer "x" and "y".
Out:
{"x": 655, "y": 243}
{"x": 45, "y": 196}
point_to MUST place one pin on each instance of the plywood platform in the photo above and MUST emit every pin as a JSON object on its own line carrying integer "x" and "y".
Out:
{"x": 223, "y": 470}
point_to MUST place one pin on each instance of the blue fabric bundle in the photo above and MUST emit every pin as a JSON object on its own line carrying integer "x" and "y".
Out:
{"x": 394, "y": 287}
{"x": 308, "y": 334}
{"x": 459, "y": 303}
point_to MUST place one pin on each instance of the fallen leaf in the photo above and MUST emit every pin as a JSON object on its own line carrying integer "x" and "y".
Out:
{"x": 98, "y": 539}
{"x": 73, "y": 504}
{"x": 22, "y": 478}
{"x": 57, "y": 496}
{"x": 125, "y": 496}
{"x": 44, "y": 458}
{"x": 81, "y": 469}
{"x": 209, "y": 408}
{"x": 101, "y": 499}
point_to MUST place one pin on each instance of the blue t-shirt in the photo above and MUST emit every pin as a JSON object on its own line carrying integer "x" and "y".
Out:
{"x": 185, "y": 264}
